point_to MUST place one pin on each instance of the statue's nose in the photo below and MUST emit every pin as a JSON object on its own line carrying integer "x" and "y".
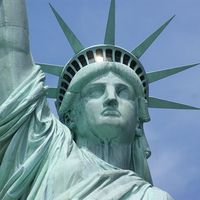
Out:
{"x": 111, "y": 97}
{"x": 111, "y": 102}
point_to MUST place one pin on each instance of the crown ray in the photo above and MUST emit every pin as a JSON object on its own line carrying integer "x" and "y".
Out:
{"x": 141, "y": 49}
{"x": 161, "y": 103}
{"x": 110, "y": 30}
{"x": 74, "y": 42}
{"x": 51, "y": 69}
{"x": 52, "y": 93}
{"x": 158, "y": 75}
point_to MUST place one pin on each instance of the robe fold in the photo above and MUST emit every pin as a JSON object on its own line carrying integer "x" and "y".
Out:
{"x": 40, "y": 161}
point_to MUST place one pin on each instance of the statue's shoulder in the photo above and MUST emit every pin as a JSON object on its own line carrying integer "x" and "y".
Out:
{"x": 61, "y": 130}
{"x": 154, "y": 193}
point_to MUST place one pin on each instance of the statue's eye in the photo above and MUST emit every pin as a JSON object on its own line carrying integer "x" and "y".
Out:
{"x": 124, "y": 92}
{"x": 94, "y": 91}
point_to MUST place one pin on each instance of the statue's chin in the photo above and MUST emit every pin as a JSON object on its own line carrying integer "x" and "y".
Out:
{"x": 115, "y": 129}
{"x": 112, "y": 131}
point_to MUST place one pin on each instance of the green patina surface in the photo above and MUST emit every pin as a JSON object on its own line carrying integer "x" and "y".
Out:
{"x": 99, "y": 151}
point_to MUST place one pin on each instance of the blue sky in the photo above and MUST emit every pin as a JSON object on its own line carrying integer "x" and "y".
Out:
{"x": 174, "y": 135}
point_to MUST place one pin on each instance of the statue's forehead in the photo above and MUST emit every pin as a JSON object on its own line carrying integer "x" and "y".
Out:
{"x": 109, "y": 78}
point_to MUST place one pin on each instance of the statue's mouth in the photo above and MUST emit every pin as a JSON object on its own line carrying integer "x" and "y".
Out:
{"x": 111, "y": 112}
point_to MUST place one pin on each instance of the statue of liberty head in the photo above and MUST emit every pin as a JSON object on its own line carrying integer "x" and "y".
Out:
{"x": 103, "y": 92}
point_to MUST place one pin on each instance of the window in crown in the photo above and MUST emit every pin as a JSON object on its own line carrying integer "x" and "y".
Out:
{"x": 109, "y": 55}
{"x": 71, "y": 71}
{"x": 138, "y": 71}
{"x": 99, "y": 55}
{"x": 67, "y": 78}
{"x": 82, "y": 60}
{"x": 65, "y": 85}
{"x": 144, "y": 84}
{"x": 142, "y": 78}
{"x": 126, "y": 59}
{"x": 118, "y": 55}
{"x": 61, "y": 98}
{"x": 62, "y": 91}
{"x": 90, "y": 56}
{"x": 133, "y": 64}
{"x": 76, "y": 65}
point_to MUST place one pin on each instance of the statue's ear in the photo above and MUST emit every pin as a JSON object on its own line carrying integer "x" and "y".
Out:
{"x": 143, "y": 112}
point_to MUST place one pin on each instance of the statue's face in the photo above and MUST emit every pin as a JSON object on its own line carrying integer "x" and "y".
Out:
{"x": 108, "y": 110}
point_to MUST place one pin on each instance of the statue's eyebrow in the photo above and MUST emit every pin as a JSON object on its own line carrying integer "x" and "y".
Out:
{"x": 122, "y": 85}
{"x": 91, "y": 86}
{"x": 94, "y": 84}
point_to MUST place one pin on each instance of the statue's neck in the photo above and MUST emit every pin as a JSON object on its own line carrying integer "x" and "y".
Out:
{"x": 119, "y": 155}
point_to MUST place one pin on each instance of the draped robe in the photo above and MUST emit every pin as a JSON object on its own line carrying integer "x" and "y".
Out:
{"x": 40, "y": 161}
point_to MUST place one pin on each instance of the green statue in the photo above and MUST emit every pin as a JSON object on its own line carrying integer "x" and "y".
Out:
{"x": 97, "y": 149}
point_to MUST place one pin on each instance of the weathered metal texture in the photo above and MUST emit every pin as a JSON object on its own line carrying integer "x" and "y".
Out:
{"x": 158, "y": 75}
{"x": 110, "y": 30}
{"x": 52, "y": 93}
{"x": 141, "y": 49}
{"x": 161, "y": 103}
{"x": 51, "y": 69}
{"x": 73, "y": 40}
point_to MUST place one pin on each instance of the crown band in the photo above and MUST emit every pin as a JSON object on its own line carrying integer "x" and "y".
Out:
{"x": 99, "y": 53}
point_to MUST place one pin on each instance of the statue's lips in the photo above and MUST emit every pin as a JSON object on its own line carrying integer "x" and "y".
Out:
{"x": 111, "y": 112}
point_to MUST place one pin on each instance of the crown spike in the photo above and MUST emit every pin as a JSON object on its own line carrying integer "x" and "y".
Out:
{"x": 52, "y": 93}
{"x": 74, "y": 42}
{"x": 158, "y": 75}
{"x": 141, "y": 49}
{"x": 110, "y": 30}
{"x": 51, "y": 69}
{"x": 160, "y": 103}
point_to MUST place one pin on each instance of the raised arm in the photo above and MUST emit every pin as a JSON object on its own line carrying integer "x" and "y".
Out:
{"x": 15, "y": 58}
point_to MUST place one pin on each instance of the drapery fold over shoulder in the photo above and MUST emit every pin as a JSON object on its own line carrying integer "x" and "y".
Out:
{"x": 40, "y": 161}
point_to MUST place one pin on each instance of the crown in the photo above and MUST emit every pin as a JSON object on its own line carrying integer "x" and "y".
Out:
{"x": 111, "y": 53}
